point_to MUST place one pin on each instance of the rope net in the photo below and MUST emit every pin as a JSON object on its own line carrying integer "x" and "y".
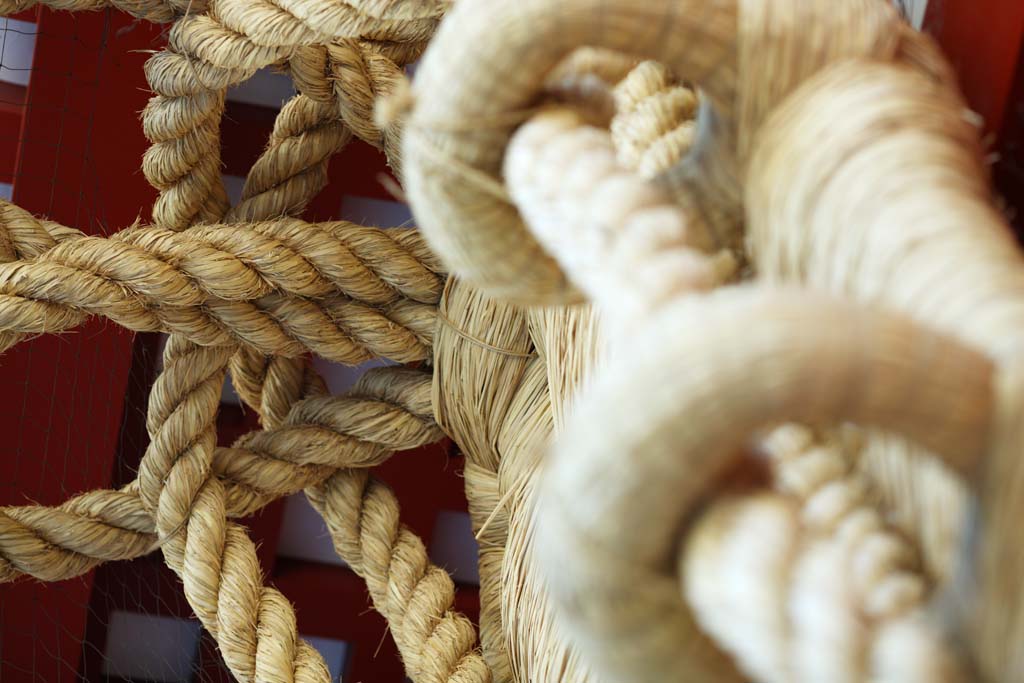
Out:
{"x": 682, "y": 298}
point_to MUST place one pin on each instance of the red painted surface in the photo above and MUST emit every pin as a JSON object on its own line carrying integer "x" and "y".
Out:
{"x": 77, "y": 162}
{"x": 982, "y": 38}
{"x": 12, "y": 110}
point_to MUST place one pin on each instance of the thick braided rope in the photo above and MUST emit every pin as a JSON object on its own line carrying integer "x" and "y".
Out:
{"x": 442, "y": 653}
{"x": 350, "y": 76}
{"x": 954, "y": 265}
{"x": 254, "y": 625}
{"x": 461, "y": 120}
{"x": 271, "y": 384}
{"x": 293, "y": 168}
{"x": 289, "y": 173}
{"x": 430, "y": 597}
{"x": 344, "y": 291}
{"x": 159, "y": 11}
{"x": 621, "y": 239}
{"x": 190, "y": 193}
{"x": 23, "y": 236}
{"x": 416, "y": 597}
{"x": 609, "y": 535}
{"x": 654, "y": 124}
{"x": 482, "y": 352}
{"x": 208, "y": 53}
{"x": 809, "y": 584}
{"x": 389, "y": 409}
{"x": 307, "y": 131}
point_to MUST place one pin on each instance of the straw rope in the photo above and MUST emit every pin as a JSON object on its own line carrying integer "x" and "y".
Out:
{"x": 654, "y": 252}
{"x": 182, "y": 121}
{"x": 633, "y": 567}
{"x": 271, "y": 385}
{"x": 808, "y": 584}
{"x": 207, "y": 53}
{"x": 388, "y": 410}
{"x": 593, "y": 566}
{"x": 471, "y": 225}
{"x": 481, "y": 355}
{"x": 654, "y": 126}
{"x": 344, "y": 291}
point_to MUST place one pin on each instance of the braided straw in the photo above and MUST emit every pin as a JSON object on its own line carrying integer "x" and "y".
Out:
{"x": 415, "y": 596}
{"x": 654, "y": 252}
{"x": 761, "y": 362}
{"x": 388, "y": 410}
{"x": 481, "y": 355}
{"x": 349, "y": 76}
{"x": 461, "y": 120}
{"x": 208, "y": 53}
{"x": 654, "y": 127}
{"x": 254, "y": 625}
{"x": 808, "y": 584}
{"x": 291, "y": 171}
{"x": 953, "y": 263}
{"x": 344, "y": 291}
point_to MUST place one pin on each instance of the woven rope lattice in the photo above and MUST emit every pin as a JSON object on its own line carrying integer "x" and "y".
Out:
{"x": 683, "y": 526}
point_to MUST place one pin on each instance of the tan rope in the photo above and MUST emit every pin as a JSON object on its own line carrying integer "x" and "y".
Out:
{"x": 481, "y": 356}
{"x": 612, "y": 580}
{"x": 654, "y": 125}
{"x": 953, "y": 264}
{"x": 414, "y": 595}
{"x": 621, "y": 239}
{"x": 808, "y": 584}
{"x": 342, "y": 290}
{"x": 207, "y": 53}
{"x": 350, "y": 76}
{"x": 388, "y": 409}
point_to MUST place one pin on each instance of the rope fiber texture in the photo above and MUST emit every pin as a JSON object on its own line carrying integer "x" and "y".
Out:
{"x": 595, "y": 175}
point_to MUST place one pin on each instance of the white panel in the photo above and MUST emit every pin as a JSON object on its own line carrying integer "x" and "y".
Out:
{"x": 453, "y": 546}
{"x": 376, "y": 212}
{"x": 334, "y": 652}
{"x": 913, "y": 10}
{"x": 304, "y": 534}
{"x": 18, "y": 44}
{"x": 233, "y": 185}
{"x": 6, "y": 191}
{"x": 266, "y": 88}
{"x": 150, "y": 648}
{"x": 340, "y": 378}
{"x": 228, "y": 394}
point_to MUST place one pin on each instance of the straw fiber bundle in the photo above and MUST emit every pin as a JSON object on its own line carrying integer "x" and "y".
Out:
{"x": 671, "y": 476}
{"x": 593, "y": 228}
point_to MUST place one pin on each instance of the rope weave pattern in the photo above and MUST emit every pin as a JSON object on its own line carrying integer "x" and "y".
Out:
{"x": 347, "y": 292}
{"x": 388, "y": 410}
{"x": 664, "y": 569}
{"x": 542, "y": 214}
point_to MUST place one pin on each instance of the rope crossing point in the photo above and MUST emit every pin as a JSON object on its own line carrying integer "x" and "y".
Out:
{"x": 553, "y": 157}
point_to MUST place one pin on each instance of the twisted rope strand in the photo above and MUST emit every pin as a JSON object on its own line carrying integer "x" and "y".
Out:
{"x": 254, "y": 283}
{"x": 437, "y": 644}
{"x": 208, "y": 53}
{"x": 808, "y": 583}
{"x": 389, "y": 409}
